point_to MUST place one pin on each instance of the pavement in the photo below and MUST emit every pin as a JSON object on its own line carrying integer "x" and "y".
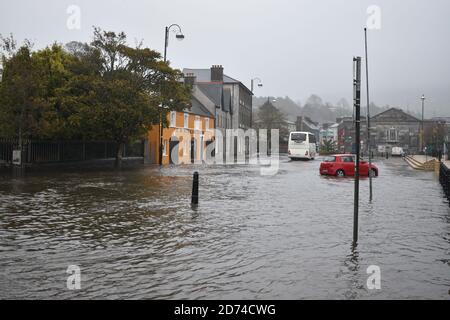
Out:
{"x": 422, "y": 158}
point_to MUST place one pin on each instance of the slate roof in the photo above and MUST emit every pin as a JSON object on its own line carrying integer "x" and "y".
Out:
{"x": 213, "y": 91}
{"x": 199, "y": 109}
{"x": 397, "y": 114}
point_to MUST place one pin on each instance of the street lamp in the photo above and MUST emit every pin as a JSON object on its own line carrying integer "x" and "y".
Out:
{"x": 179, "y": 36}
{"x": 252, "y": 84}
{"x": 421, "y": 131}
{"x": 259, "y": 83}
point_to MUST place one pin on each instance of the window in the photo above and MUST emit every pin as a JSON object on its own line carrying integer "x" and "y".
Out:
{"x": 391, "y": 134}
{"x": 312, "y": 138}
{"x": 298, "y": 137}
{"x": 347, "y": 159}
{"x": 329, "y": 159}
{"x": 173, "y": 119}
{"x": 206, "y": 123}
{"x": 197, "y": 123}
{"x": 186, "y": 120}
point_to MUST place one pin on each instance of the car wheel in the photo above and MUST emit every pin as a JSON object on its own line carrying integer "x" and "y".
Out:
{"x": 373, "y": 173}
{"x": 340, "y": 173}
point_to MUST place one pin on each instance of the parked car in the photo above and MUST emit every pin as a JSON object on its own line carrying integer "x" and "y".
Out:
{"x": 397, "y": 152}
{"x": 342, "y": 165}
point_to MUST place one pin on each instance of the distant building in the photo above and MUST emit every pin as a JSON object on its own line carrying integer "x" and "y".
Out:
{"x": 306, "y": 124}
{"x": 328, "y": 132}
{"x": 291, "y": 125}
{"x": 391, "y": 128}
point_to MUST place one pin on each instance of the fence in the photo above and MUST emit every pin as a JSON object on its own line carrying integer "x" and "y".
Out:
{"x": 444, "y": 179}
{"x": 45, "y": 151}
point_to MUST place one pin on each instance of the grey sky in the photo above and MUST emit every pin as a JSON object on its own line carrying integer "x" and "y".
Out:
{"x": 296, "y": 47}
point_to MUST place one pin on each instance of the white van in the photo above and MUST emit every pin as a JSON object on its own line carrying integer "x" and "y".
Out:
{"x": 397, "y": 151}
{"x": 302, "y": 145}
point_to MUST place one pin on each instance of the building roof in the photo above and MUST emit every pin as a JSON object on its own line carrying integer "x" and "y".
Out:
{"x": 396, "y": 113}
{"x": 199, "y": 109}
{"x": 204, "y": 75}
{"x": 213, "y": 91}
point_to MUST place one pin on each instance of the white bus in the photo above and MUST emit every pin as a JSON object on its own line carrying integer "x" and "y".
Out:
{"x": 302, "y": 145}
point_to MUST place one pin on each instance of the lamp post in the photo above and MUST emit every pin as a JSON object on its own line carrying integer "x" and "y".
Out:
{"x": 252, "y": 88}
{"x": 180, "y": 36}
{"x": 421, "y": 130}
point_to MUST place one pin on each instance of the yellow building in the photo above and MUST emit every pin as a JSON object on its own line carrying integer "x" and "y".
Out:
{"x": 185, "y": 139}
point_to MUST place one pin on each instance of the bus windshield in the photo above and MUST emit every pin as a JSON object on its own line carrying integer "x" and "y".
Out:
{"x": 298, "y": 137}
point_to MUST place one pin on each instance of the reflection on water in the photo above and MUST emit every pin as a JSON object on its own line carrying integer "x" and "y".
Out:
{"x": 135, "y": 235}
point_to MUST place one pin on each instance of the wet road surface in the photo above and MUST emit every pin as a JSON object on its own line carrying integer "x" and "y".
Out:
{"x": 288, "y": 236}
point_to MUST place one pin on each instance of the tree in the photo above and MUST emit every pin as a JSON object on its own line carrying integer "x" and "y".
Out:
{"x": 269, "y": 117}
{"x": 131, "y": 90}
{"x": 20, "y": 90}
{"x": 328, "y": 146}
{"x": 30, "y": 80}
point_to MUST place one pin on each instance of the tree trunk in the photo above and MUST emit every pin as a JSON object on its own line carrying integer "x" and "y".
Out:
{"x": 118, "y": 163}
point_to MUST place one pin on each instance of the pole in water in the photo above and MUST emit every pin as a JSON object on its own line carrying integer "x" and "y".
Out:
{"x": 356, "y": 104}
{"x": 368, "y": 118}
{"x": 194, "y": 199}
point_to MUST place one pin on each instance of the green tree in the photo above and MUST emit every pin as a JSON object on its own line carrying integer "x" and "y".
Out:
{"x": 328, "y": 146}
{"x": 30, "y": 80}
{"x": 21, "y": 90}
{"x": 131, "y": 90}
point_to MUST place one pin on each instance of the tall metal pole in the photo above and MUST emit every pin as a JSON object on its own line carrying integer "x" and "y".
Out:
{"x": 357, "y": 104}
{"x": 368, "y": 118}
{"x": 166, "y": 43}
{"x": 422, "y": 133}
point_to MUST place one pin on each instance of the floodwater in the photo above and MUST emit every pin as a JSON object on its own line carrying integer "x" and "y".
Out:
{"x": 134, "y": 234}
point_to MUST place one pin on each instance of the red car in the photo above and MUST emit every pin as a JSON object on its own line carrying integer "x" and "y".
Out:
{"x": 342, "y": 165}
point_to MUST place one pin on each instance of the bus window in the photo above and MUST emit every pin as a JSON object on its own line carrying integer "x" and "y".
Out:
{"x": 298, "y": 137}
{"x": 312, "y": 138}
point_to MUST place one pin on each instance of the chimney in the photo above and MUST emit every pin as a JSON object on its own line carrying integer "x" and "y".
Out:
{"x": 217, "y": 73}
{"x": 189, "y": 79}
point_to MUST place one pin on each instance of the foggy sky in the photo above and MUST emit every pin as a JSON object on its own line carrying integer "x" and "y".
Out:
{"x": 296, "y": 47}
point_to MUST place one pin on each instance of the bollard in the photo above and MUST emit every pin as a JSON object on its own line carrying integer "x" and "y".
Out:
{"x": 195, "y": 189}
{"x": 387, "y": 155}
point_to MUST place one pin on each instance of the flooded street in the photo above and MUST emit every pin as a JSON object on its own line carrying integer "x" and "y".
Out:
{"x": 288, "y": 236}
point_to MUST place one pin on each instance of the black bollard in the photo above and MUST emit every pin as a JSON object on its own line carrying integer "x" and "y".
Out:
{"x": 387, "y": 155}
{"x": 195, "y": 189}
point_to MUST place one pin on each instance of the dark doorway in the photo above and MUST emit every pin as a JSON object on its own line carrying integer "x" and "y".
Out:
{"x": 193, "y": 149}
{"x": 173, "y": 151}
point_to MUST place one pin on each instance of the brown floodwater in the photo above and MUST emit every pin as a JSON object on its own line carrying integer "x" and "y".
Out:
{"x": 134, "y": 234}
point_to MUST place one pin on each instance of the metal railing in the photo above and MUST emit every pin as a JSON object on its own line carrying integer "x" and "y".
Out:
{"x": 444, "y": 179}
{"x": 45, "y": 151}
